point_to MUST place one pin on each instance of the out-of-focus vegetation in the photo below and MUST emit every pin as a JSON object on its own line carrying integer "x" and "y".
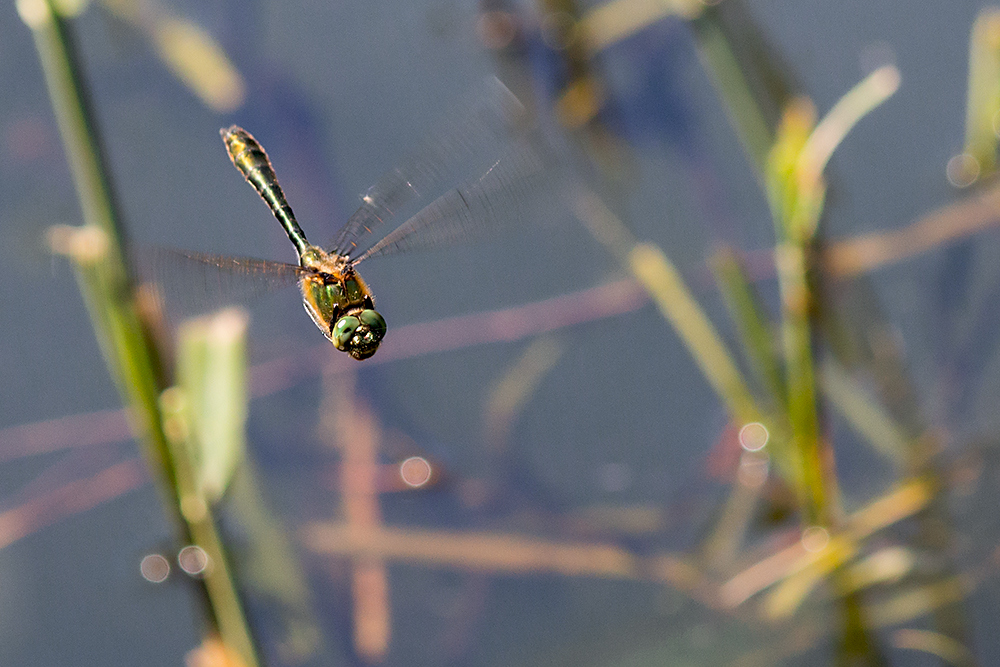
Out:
{"x": 782, "y": 567}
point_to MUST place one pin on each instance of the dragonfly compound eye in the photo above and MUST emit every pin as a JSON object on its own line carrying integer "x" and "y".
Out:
{"x": 374, "y": 321}
{"x": 344, "y": 330}
{"x": 359, "y": 335}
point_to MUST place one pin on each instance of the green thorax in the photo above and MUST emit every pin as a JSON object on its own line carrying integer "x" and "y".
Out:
{"x": 339, "y": 303}
{"x": 332, "y": 288}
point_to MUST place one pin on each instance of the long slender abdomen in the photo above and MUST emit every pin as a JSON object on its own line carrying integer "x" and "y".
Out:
{"x": 250, "y": 158}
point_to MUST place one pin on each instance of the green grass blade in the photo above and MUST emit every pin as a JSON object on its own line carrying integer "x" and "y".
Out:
{"x": 96, "y": 252}
{"x": 982, "y": 108}
{"x": 755, "y": 331}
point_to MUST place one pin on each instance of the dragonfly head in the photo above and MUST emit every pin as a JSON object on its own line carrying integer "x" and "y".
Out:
{"x": 359, "y": 334}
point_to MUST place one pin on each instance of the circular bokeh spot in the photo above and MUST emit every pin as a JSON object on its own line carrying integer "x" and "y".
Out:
{"x": 753, "y": 436}
{"x": 154, "y": 568}
{"x": 415, "y": 471}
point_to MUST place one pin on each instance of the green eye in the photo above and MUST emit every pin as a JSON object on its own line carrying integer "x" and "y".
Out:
{"x": 375, "y": 323}
{"x": 344, "y": 330}
{"x": 359, "y": 335}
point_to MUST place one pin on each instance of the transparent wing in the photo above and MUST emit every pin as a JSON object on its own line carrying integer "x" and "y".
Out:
{"x": 498, "y": 197}
{"x": 481, "y": 128}
{"x": 196, "y": 282}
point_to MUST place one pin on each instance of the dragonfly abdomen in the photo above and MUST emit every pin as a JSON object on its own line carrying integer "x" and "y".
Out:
{"x": 250, "y": 158}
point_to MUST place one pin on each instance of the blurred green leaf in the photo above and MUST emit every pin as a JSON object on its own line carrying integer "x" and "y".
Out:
{"x": 211, "y": 371}
{"x": 983, "y": 104}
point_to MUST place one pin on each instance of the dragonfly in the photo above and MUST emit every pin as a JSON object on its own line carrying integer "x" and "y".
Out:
{"x": 489, "y": 131}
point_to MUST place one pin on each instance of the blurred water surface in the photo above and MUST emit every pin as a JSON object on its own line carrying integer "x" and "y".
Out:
{"x": 620, "y": 440}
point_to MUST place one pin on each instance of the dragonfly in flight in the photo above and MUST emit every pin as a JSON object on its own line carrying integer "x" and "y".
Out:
{"x": 490, "y": 130}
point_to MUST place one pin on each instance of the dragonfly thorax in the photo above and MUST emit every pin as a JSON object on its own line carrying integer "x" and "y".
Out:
{"x": 339, "y": 303}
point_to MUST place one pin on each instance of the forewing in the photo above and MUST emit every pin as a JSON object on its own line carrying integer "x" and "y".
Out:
{"x": 479, "y": 129}
{"x": 493, "y": 200}
{"x": 195, "y": 282}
